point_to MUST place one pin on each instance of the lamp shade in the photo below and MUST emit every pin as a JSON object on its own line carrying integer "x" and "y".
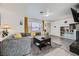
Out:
{"x": 5, "y": 26}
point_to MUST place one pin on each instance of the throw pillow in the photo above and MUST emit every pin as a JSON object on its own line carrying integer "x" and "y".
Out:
{"x": 17, "y": 35}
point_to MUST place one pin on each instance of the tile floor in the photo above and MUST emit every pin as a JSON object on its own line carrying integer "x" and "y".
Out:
{"x": 63, "y": 50}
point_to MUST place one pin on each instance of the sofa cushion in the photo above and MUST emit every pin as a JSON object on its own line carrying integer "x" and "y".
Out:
{"x": 25, "y": 34}
{"x": 38, "y": 33}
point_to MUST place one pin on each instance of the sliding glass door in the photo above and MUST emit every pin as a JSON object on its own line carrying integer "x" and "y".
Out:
{"x": 34, "y": 26}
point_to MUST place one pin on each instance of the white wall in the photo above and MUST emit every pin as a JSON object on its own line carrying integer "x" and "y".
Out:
{"x": 55, "y": 26}
{"x": 11, "y": 18}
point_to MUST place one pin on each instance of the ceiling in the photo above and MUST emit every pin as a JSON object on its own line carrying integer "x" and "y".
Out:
{"x": 32, "y": 10}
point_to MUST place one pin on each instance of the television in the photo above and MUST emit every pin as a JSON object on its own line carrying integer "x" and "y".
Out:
{"x": 75, "y": 15}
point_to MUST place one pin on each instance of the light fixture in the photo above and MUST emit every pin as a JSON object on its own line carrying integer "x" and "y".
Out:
{"x": 46, "y": 14}
{"x": 41, "y": 12}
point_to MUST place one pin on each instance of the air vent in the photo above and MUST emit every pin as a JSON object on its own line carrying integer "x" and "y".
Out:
{"x": 41, "y": 12}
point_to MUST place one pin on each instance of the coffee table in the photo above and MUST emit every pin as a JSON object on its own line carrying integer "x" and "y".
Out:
{"x": 40, "y": 43}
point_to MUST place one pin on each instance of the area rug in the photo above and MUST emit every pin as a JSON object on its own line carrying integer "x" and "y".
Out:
{"x": 37, "y": 52}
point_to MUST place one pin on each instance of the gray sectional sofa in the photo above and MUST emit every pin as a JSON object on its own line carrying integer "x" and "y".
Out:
{"x": 16, "y": 47}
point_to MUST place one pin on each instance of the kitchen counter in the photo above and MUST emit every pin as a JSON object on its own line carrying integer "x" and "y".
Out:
{"x": 70, "y": 35}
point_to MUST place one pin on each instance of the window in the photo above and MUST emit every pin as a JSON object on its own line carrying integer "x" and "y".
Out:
{"x": 34, "y": 26}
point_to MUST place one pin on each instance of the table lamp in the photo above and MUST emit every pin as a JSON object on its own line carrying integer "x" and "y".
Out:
{"x": 5, "y": 28}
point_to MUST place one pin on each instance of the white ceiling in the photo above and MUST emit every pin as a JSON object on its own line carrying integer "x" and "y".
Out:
{"x": 32, "y": 10}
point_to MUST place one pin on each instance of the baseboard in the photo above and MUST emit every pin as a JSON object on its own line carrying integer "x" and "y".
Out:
{"x": 61, "y": 37}
{"x": 55, "y": 36}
